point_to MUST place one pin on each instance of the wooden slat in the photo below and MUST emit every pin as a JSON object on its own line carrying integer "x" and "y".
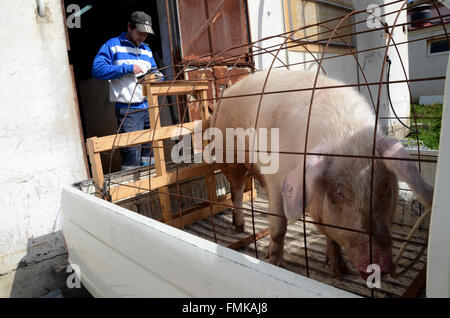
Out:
{"x": 96, "y": 164}
{"x": 210, "y": 178}
{"x": 211, "y": 186}
{"x": 249, "y": 239}
{"x": 161, "y": 91}
{"x": 204, "y": 105}
{"x": 134, "y": 138}
{"x": 417, "y": 285}
{"x": 193, "y": 217}
{"x": 195, "y": 114}
{"x": 150, "y": 80}
{"x": 187, "y": 211}
{"x": 203, "y": 213}
{"x": 158, "y": 150}
{"x": 158, "y": 153}
{"x": 250, "y": 184}
{"x": 204, "y": 112}
{"x": 168, "y": 88}
{"x": 142, "y": 186}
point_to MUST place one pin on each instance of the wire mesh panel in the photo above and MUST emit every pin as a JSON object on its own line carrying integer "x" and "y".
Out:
{"x": 258, "y": 149}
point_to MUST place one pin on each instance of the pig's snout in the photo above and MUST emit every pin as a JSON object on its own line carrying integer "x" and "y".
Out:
{"x": 382, "y": 259}
{"x": 380, "y": 255}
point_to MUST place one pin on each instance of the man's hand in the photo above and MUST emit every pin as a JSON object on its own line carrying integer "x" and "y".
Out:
{"x": 137, "y": 69}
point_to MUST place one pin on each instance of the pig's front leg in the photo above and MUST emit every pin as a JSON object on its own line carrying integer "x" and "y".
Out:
{"x": 278, "y": 226}
{"x": 236, "y": 177}
{"x": 334, "y": 256}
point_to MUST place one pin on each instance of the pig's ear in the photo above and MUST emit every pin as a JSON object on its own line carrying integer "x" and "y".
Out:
{"x": 406, "y": 170}
{"x": 292, "y": 187}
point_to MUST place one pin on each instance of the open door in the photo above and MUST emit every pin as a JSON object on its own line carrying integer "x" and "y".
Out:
{"x": 89, "y": 25}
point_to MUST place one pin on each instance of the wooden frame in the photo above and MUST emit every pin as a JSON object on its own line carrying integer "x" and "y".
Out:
{"x": 156, "y": 134}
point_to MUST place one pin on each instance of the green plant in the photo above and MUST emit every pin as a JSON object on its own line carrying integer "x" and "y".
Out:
{"x": 429, "y": 129}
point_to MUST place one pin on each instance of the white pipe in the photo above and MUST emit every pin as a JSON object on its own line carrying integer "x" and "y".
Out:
{"x": 445, "y": 2}
{"x": 438, "y": 264}
{"x": 40, "y": 6}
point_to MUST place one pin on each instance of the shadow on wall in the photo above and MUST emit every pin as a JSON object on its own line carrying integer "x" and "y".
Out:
{"x": 42, "y": 270}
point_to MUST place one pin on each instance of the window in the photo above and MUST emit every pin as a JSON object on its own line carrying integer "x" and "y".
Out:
{"x": 300, "y": 13}
{"x": 438, "y": 46}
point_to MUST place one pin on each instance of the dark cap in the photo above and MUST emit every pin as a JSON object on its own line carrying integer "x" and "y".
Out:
{"x": 142, "y": 21}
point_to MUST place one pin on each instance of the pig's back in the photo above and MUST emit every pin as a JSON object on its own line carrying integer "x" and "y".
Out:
{"x": 334, "y": 112}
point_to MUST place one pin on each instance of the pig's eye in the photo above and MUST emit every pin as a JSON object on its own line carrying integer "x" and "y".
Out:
{"x": 341, "y": 195}
{"x": 386, "y": 190}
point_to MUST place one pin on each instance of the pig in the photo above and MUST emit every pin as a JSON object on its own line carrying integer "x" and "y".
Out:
{"x": 337, "y": 188}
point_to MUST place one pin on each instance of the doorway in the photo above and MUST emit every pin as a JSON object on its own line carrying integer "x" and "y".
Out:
{"x": 99, "y": 21}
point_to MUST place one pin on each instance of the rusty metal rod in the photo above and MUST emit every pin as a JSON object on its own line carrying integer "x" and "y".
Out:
{"x": 265, "y": 213}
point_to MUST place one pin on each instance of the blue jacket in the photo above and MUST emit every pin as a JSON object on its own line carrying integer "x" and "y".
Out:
{"x": 114, "y": 62}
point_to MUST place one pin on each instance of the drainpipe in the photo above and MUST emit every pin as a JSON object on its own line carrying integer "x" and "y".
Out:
{"x": 438, "y": 258}
{"x": 445, "y": 2}
{"x": 40, "y": 7}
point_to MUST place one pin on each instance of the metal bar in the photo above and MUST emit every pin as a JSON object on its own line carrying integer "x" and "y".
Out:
{"x": 276, "y": 215}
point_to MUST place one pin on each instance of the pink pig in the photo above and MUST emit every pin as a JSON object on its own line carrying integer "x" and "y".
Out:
{"x": 337, "y": 188}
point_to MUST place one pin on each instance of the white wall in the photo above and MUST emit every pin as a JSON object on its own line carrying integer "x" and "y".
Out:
{"x": 438, "y": 274}
{"x": 438, "y": 262}
{"x": 424, "y": 65}
{"x": 267, "y": 18}
{"x": 40, "y": 137}
{"x": 342, "y": 68}
{"x": 372, "y": 62}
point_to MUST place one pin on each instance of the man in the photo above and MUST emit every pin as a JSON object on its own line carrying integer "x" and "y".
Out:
{"x": 120, "y": 60}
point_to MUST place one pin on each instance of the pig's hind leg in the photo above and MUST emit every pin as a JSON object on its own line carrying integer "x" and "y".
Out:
{"x": 236, "y": 177}
{"x": 334, "y": 257}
